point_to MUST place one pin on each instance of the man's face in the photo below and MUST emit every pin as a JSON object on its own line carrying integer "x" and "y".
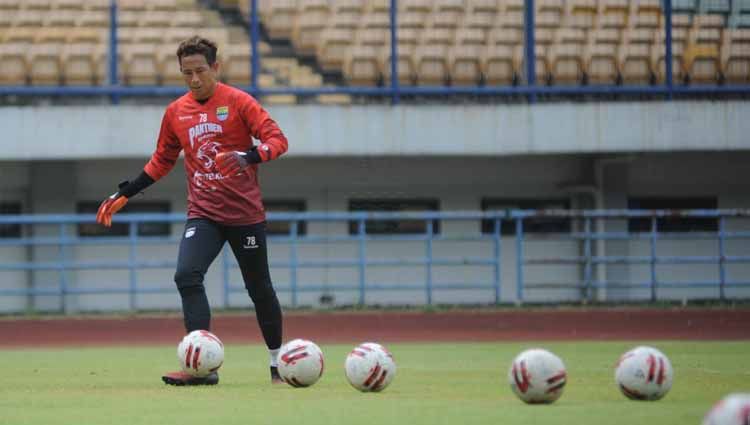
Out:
{"x": 199, "y": 76}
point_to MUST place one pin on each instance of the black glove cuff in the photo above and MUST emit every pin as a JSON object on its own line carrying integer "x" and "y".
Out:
{"x": 129, "y": 189}
{"x": 253, "y": 157}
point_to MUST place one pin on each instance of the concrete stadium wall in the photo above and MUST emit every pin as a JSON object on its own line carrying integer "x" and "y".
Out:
{"x": 326, "y": 183}
{"x": 77, "y": 132}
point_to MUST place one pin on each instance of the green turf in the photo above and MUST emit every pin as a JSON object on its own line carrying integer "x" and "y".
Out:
{"x": 436, "y": 384}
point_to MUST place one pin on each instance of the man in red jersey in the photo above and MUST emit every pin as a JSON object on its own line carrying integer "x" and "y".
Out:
{"x": 213, "y": 124}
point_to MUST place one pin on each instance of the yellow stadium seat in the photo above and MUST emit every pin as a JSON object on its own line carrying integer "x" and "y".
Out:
{"x": 566, "y": 63}
{"x": 709, "y": 21}
{"x": 702, "y": 63}
{"x": 149, "y": 35}
{"x": 613, "y": 13}
{"x": 156, "y": 18}
{"x": 600, "y": 63}
{"x": 548, "y": 13}
{"x": 448, "y": 13}
{"x": 187, "y": 18}
{"x": 170, "y": 67}
{"x": 465, "y": 64}
{"x": 404, "y": 65}
{"x": 86, "y": 35}
{"x": 438, "y": 36}
{"x": 125, "y": 35}
{"x": 29, "y": 18}
{"x": 61, "y": 18}
{"x": 499, "y": 64}
{"x": 544, "y": 36}
{"x": 570, "y": 36}
{"x": 22, "y": 35}
{"x": 506, "y": 36}
{"x": 93, "y": 18}
{"x": 430, "y": 64}
{"x": 8, "y": 5}
{"x": 638, "y": 36}
{"x": 605, "y": 36}
{"x": 735, "y": 62}
{"x": 512, "y": 5}
{"x": 411, "y": 20}
{"x": 138, "y": 5}
{"x": 679, "y": 36}
{"x": 470, "y": 36}
{"x": 42, "y": 5}
{"x": 353, "y": 7}
{"x": 705, "y": 36}
{"x": 634, "y": 63}
{"x": 128, "y": 18}
{"x": 407, "y": 37}
{"x": 510, "y": 19}
{"x": 280, "y": 19}
{"x": 45, "y": 67}
{"x": 102, "y": 5}
{"x": 658, "y": 63}
{"x": 236, "y": 64}
{"x": 51, "y": 35}
{"x": 332, "y": 48}
{"x": 481, "y": 14}
{"x": 7, "y": 18}
{"x": 141, "y": 64}
{"x": 344, "y": 20}
{"x": 165, "y": 5}
{"x": 13, "y": 64}
{"x": 173, "y": 36}
{"x": 373, "y": 37}
{"x": 306, "y": 32}
{"x": 376, "y": 20}
{"x": 361, "y": 66}
{"x": 101, "y": 62}
{"x": 79, "y": 64}
{"x": 379, "y": 6}
{"x": 419, "y": 7}
{"x": 580, "y": 14}
{"x": 680, "y": 20}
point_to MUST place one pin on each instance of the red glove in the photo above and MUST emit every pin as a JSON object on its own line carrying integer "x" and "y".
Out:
{"x": 109, "y": 207}
{"x": 231, "y": 163}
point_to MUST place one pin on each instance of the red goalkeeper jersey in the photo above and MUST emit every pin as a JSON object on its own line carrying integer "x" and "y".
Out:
{"x": 225, "y": 122}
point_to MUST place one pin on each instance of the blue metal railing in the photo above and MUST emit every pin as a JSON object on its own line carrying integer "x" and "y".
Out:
{"x": 530, "y": 89}
{"x": 487, "y": 258}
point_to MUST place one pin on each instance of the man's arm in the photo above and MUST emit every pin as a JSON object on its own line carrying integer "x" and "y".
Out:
{"x": 273, "y": 143}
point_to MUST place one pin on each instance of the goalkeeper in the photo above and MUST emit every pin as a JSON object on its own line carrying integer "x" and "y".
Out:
{"x": 213, "y": 124}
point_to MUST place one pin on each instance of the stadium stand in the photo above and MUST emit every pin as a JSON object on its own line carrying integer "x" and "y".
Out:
{"x": 440, "y": 42}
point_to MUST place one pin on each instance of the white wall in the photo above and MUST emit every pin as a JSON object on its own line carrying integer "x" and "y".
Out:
{"x": 459, "y": 183}
{"x": 126, "y": 131}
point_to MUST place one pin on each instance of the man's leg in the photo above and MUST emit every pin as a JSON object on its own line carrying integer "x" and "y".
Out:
{"x": 201, "y": 243}
{"x": 249, "y": 246}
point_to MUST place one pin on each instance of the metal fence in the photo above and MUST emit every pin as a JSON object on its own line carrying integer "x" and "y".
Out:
{"x": 528, "y": 87}
{"x": 588, "y": 234}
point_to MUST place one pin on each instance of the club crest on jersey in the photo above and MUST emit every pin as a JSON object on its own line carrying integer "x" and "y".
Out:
{"x": 222, "y": 113}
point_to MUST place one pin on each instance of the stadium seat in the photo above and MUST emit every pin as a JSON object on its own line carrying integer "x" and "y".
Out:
{"x": 548, "y": 13}
{"x": 29, "y": 18}
{"x": 470, "y": 36}
{"x": 86, "y": 35}
{"x": 332, "y": 47}
{"x": 710, "y": 36}
{"x": 645, "y": 20}
{"x": 7, "y": 18}
{"x": 505, "y": 36}
{"x": 48, "y": 35}
{"x": 306, "y": 31}
{"x": 600, "y": 63}
{"x": 102, "y": 5}
{"x": 580, "y": 14}
{"x": 659, "y": 67}
{"x": 376, "y": 20}
{"x": 404, "y": 65}
{"x": 430, "y": 64}
{"x": 499, "y": 64}
{"x": 22, "y": 35}
{"x": 716, "y": 7}
{"x": 8, "y": 5}
{"x": 566, "y": 63}
{"x": 44, "y": 63}
{"x": 708, "y": 21}
{"x": 511, "y": 19}
{"x": 613, "y": 13}
{"x": 235, "y": 64}
{"x": 605, "y": 36}
{"x": 464, "y": 64}
{"x": 373, "y": 37}
{"x": 42, "y": 5}
{"x": 411, "y": 20}
{"x": 165, "y": 5}
{"x": 407, "y": 37}
{"x": 125, "y": 35}
{"x": 128, "y": 18}
{"x": 77, "y": 5}
{"x": 156, "y": 19}
{"x": 437, "y": 36}
{"x": 93, "y": 18}
{"x": 685, "y": 6}
{"x": 130, "y": 5}
{"x": 173, "y": 36}
{"x": 681, "y": 20}
{"x": 634, "y": 63}
{"x": 148, "y": 35}
{"x": 79, "y": 64}
{"x": 354, "y": 8}
{"x": 170, "y": 68}
{"x": 480, "y": 14}
{"x": 702, "y": 63}
{"x": 512, "y": 5}
{"x": 61, "y": 18}
{"x": 679, "y": 36}
{"x": 448, "y": 13}
{"x": 735, "y": 62}
{"x": 638, "y": 36}
{"x": 142, "y": 65}
{"x": 544, "y": 36}
{"x": 188, "y": 18}
{"x": 13, "y": 65}
{"x": 361, "y": 65}
{"x": 344, "y": 20}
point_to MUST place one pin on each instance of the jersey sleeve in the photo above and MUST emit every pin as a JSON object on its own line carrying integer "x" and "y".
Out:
{"x": 273, "y": 143}
{"x": 167, "y": 150}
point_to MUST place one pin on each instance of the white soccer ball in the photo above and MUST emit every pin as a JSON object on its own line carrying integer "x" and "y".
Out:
{"x": 644, "y": 373}
{"x": 301, "y": 363}
{"x": 733, "y": 409}
{"x": 200, "y": 353}
{"x": 537, "y": 376}
{"x": 370, "y": 367}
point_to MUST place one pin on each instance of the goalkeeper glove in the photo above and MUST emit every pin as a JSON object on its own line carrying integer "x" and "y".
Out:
{"x": 110, "y": 206}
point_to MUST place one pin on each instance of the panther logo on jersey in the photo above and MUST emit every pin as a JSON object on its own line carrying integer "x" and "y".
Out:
{"x": 207, "y": 154}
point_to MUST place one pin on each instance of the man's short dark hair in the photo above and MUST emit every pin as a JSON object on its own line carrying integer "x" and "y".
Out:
{"x": 197, "y": 45}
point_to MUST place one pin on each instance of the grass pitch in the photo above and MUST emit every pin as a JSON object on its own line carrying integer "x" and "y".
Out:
{"x": 446, "y": 383}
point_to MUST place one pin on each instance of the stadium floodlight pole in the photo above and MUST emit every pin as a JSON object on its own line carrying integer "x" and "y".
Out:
{"x": 529, "y": 46}
{"x": 394, "y": 53}
{"x": 114, "y": 97}
{"x": 254, "y": 52}
{"x": 668, "y": 43}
